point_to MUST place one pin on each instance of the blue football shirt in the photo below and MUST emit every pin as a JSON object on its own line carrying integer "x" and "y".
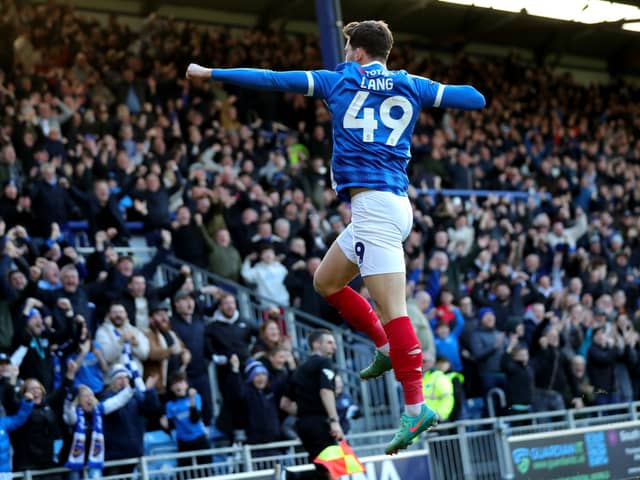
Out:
{"x": 374, "y": 112}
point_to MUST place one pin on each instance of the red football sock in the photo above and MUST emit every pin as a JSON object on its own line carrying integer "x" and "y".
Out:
{"x": 406, "y": 358}
{"x": 357, "y": 312}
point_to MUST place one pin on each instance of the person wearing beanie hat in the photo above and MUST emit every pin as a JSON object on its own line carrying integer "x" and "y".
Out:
{"x": 118, "y": 370}
{"x": 483, "y": 311}
{"x": 256, "y": 400}
{"x": 124, "y": 428}
{"x": 254, "y": 368}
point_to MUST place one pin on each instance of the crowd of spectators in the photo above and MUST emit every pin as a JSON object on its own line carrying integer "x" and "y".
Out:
{"x": 537, "y": 296}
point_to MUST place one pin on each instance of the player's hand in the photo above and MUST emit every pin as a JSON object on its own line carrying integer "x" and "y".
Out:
{"x": 196, "y": 71}
{"x": 336, "y": 431}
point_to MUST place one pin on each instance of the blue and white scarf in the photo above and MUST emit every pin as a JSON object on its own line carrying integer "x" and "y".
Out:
{"x": 126, "y": 358}
{"x": 75, "y": 461}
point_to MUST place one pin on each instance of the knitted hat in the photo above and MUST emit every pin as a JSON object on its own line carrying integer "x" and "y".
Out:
{"x": 117, "y": 371}
{"x": 253, "y": 368}
{"x": 483, "y": 311}
{"x": 32, "y": 313}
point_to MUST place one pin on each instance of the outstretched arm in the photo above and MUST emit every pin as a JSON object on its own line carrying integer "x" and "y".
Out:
{"x": 295, "y": 81}
{"x": 434, "y": 94}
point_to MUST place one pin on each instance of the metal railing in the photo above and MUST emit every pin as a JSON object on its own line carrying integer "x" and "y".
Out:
{"x": 469, "y": 449}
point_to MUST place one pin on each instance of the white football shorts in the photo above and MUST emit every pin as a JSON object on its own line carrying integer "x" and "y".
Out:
{"x": 380, "y": 222}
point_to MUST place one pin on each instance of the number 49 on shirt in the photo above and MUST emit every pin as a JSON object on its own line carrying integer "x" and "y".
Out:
{"x": 368, "y": 122}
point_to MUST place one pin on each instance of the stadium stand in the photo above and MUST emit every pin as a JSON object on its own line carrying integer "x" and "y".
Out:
{"x": 523, "y": 262}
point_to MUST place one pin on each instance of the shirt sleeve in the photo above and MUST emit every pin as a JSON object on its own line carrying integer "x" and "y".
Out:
{"x": 434, "y": 94}
{"x": 322, "y": 82}
{"x": 293, "y": 81}
{"x": 327, "y": 376}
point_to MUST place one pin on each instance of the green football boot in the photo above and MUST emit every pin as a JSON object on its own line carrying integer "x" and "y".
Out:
{"x": 411, "y": 428}
{"x": 380, "y": 364}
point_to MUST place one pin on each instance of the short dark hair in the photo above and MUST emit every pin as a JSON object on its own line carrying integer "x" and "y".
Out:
{"x": 316, "y": 335}
{"x": 176, "y": 377}
{"x": 374, "y": 36}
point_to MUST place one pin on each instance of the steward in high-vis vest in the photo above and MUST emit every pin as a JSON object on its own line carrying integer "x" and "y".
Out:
{"x": 438, "y": 386}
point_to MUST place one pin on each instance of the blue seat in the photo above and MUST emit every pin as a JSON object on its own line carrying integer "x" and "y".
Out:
{"x": 158, "y": 440}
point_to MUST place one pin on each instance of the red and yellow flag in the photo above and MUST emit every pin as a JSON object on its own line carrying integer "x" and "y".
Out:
{"x": 339, "y": 460}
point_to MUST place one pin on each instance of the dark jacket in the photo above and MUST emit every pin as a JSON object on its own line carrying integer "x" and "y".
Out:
{"x": 33, "y": 442}
{"x": 229, "y": 338}
{"x": 190, "y": 245}
{"x": 153, "y": 295}
{"x": 192, "y": 334}
{"x": 551, "y": 368}
{"x": 601, "y": 368}
{"x": 514, "y": 307}
{"x": 124, "y": 428}
{"x": 484, "y": 350}
{"x": 261, "y": 410}
{"x": 51, "y": 203}
{"x": 519, "y": 383}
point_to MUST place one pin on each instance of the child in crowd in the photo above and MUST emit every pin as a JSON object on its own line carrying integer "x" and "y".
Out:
{"x": 185, "y": 413}
{"x": 258, "y": 403}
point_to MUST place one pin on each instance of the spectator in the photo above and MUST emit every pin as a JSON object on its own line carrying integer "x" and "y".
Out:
{"x": 224, "y": 259}
{"x": 138, "y": 298}
{"x": 51, "y": 202}
{"x": 35, "y": 345}
{"x": 185, "y": 413}
{"x": 33, "y": 442}
{"x": 85, "y": 445}
{"x": 8, "y": 383}
{"x": 487, "y": 347}
{"x": 190, "y": 328}
{"x": 9, "y": 424}
{"x": 269, "y": 337}
{"x": 227, "y": 334}
{"x": 75, "y": 293}
{"x": 415, "y": 308}
{"x": 120, "y": 341}
{"x": 257, "y": 401}
{"x": 279, "y": 362}
{"x": 519, "y": 377}
{"x": 124, "y": 428}
{"x": 189, "y": 241}
{"x": 104, "y": 212}
{"x": 167, "y": 352}
{"x": 550, "y": 366}
{"x": 582, "y": 392}
{"x": 346, "y": 407}
{"x": 626, "y": 340}
{"x": 92, "y": 366}
{"x": 268, "y": 276}
{"x": 601, "y": 360}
